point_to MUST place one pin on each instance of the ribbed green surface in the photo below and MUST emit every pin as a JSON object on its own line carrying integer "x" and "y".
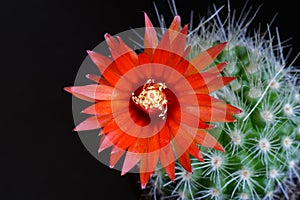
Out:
{"x": 261, "y": 148}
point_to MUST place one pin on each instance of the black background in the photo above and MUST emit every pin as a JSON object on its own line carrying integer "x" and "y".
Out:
{"x": 43, "y": 43}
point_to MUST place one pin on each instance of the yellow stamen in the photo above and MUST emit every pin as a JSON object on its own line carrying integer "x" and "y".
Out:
{"x": 152, "y": 98}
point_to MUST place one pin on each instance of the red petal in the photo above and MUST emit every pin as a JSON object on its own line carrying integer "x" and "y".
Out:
{"x": 205, "y": 139}
{"x": 180, "y": 65}
{"x": 144, "y": 178}
{"x": 214, "y": 85}
{"x": 179, "y": 43}
{"x": 197, "y": 81}
{"x": 194, "y": 151}
{"x": 204, "y": 59}
{"x": 69, "y": 89}
{"x": 175, "y": 25}
{"x": 110, "y": 139}
{"x": 208, "y": 114}
{"x": 93, "y": 122}
{"x": 106, "y": 67}
{"x": 167, "y": 160}
{"x": 154, "y": 143}
{"x": 190, "y": 119}
{"x": 140, "y": 146}
{"x": 150, "y": 38}
{"x": 97, "y": 92}
{"x": 125, "y": 59}
{"x": 166, "y": 153}
{"x": 161, "y": 57}
{"x": 202, "y": 100}
{"x": 131, "y": 159}
{"x": 174, "y": 28}
{"x": 94, "y": 77}
{"x": 214, "y": 114}
{"x": 110, "y": 126}
{"x": 229, "y": 108}
{"x": 181, "y": 142}
{"x": 98, "y": 79}
{"x": 185, "y": 162}
{"x": 131, "y": 53}
{"x": 105, "y": 107}
{"x": 114, "y": 46}
{"x": 104, "y": 143}
{"x": 177, "y": 63}
{"x": 130, "y": 126}
{"x": 115, "y": 155}
{"x": 150, "y": 158}
{"x": 125, "y": 141}
{"x": 218, "y": 68}
{"x": 181, "y": 138}
{"x": 162, "y": 52}
{"x": 102, "y": 62}
{"x": 144, "y": 58}
{"x": 164, "y": 136}
{"x": 186, "y": 51}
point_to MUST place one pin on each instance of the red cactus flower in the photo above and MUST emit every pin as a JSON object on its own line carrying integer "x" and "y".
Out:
{"x": 155, "y": 106}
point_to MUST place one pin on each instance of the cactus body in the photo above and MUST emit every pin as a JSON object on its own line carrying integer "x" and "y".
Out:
{"x": 262, "y": 146}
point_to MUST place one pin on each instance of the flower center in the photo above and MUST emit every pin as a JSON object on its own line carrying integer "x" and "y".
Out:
{"x": 152, "y": 99}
